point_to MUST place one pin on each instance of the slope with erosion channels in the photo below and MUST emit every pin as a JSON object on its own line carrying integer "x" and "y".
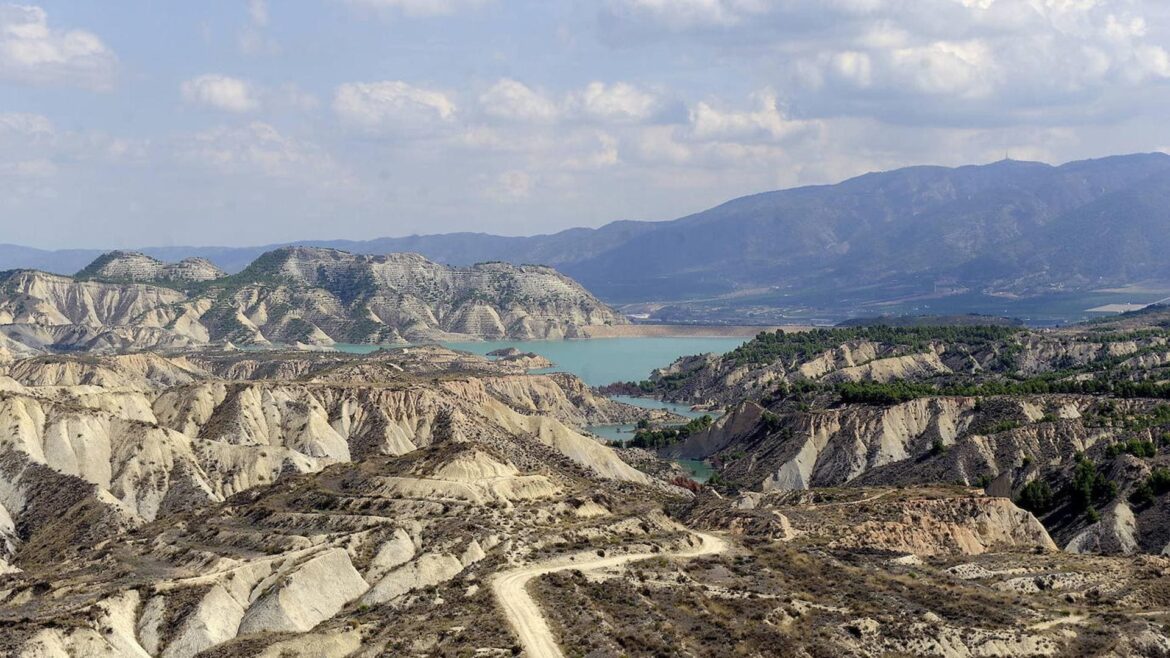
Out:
{"x": 318, "y": 504}
{"x": 1074, "y": 424}
{"x": 294, "y": 295}
{"x": 173, "y": 505}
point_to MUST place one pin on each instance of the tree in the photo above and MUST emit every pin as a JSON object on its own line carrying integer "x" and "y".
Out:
{"x": 1036, "y": 497}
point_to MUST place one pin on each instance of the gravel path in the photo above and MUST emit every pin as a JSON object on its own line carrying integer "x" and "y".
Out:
{"x": 526, "y": 617}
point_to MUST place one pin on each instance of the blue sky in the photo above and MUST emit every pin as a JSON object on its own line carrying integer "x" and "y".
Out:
{"x": 246, "y": 122}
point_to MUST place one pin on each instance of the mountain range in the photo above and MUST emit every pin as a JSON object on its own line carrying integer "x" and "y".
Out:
{"x": 1009, "y": 228}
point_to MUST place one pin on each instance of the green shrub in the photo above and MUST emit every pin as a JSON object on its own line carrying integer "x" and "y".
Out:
{"x": 1036, "y": 497}
{"x": 1135, "y": 447}
{"x": 1088, "y": 485}
{"x": 652, "y": 439}
{"x": 1157, "y": 484}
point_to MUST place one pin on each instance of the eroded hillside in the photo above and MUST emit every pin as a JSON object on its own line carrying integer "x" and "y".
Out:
{"x": 290, "y": 296}
{"x": 1073, "y": 424}
{"x": 426, "y": 502}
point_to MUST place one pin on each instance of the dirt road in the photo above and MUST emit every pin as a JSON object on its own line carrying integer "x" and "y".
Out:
{"x": 526, "y": 617}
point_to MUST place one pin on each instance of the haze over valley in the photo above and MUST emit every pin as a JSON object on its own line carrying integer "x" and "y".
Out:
{"x": 1010, "y": 238}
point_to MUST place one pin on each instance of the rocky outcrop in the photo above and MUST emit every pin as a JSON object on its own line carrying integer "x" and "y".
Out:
{"x": 36, "y": 298}
{"x": 830, "y": 447}
{"x": 924, "y": 522}
{"x": 925, "y": 356}
{"x": 1116, "y": 533}
{"x": 965, "y": 526}
{"x": 136, "y": 267}
{"x": 315, "y": 297}
{"x": 305, "y": 596}
{"x": 562, "y": 396}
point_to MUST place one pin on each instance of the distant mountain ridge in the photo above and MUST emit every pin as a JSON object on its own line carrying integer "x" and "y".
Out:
{"x": 308, "y": 295}
{"x": 1010, "y": 227}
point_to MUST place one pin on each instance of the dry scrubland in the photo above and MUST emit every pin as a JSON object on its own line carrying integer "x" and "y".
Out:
{"x": 935, "y": 491}
{"x": 281, "y": 504}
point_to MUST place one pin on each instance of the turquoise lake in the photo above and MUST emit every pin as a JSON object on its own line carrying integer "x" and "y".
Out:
{"x": 600, "y": 361}
{"x": 597, "y": 361}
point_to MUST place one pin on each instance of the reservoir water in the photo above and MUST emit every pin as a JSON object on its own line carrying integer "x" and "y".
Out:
{"x": 597, "y": 361}
{"x": 601, "y": 361}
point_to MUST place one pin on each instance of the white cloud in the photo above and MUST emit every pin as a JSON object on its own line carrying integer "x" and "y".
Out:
{"x": 937, "y": 62}
{"x": 512, "y": 100}
{"x": 601, "y": 153}
{"x": 766, "y": 122}
{"x": 391, "y": 106}
{"x": 617, "y": 102}
{"x": 259, "y": 149}
{"x": 26, "y": 124}
{"x": 221, "y": 92}
{"x": 963, "y": 69}
{"x": 660, "y": 144}
{"x": 422, "y": 7}
{"x": 253, "y": 39}
{"x": 32, "y": 52}
{"x": 510, "y": 187}
{"x": 40, "y": 168}
{"x": 292, "y": 97}
{"x": 258, "y": 12}
{"x": 681, "y": 14}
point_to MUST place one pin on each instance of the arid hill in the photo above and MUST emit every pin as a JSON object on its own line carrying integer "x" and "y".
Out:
{"x": 294, "y": 295}
{"x": 314, "y": 504}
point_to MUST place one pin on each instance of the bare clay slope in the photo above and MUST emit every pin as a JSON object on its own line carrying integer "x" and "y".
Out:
{"x": 1072, "y": 423}
{"x": 293, "y": 295}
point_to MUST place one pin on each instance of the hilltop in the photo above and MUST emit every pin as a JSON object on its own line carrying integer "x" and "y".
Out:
{"x": 132, "y": 266}
{"x": 291, "y": 295}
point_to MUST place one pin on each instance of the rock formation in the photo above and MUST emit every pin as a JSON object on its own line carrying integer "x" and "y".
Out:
{"x": 292, "y": 295}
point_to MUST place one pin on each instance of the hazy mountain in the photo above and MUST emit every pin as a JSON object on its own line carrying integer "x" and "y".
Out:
{"x": 1016, "y": 227}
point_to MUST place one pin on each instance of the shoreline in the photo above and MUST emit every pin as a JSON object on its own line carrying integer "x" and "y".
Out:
{"x": 682, "y": 330}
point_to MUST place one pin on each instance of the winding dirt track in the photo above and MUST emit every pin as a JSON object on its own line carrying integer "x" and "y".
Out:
{"x": 526, "y": 617}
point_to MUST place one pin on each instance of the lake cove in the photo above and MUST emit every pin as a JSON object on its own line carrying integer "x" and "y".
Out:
{"x": 597, "y": 361}
{"x": 601, "y": 361}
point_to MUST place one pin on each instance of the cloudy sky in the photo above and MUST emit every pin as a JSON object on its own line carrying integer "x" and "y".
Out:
{"x": 247, "y": 122}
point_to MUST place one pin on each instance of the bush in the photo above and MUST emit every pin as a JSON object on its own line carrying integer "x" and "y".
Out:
{"x": 770, "y": 347}
{"x": 1088, "y": 485}
{"x": 651, "y": 439}
{"x": 1036, "y": 497}
{"x": 1135, "y": 447}
{"x": 1157, "y": 484}
{"x": 772, "y": 422}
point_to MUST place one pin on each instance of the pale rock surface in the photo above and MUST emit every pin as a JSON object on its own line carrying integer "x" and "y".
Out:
{"x": 1116, "y": 533}
{"x": 428, "y": 570}
{"x": 304, "y": 597}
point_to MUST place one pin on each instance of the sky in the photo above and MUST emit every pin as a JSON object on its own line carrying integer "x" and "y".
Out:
{"x": 242, "y": 122}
